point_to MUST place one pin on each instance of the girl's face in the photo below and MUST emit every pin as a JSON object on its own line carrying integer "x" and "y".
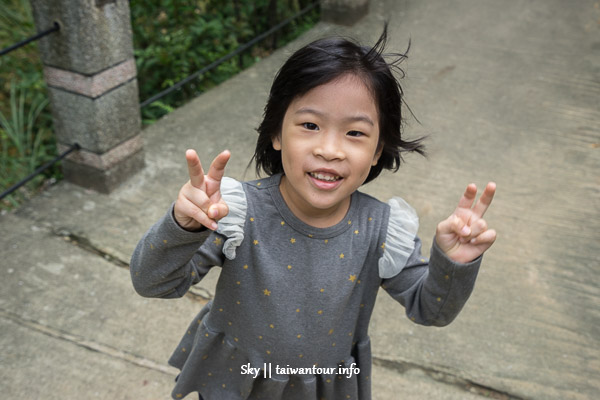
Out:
{"x": 329, "y": 141}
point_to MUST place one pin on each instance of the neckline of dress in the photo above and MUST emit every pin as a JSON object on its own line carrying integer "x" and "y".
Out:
{"x": 301, "y": 226}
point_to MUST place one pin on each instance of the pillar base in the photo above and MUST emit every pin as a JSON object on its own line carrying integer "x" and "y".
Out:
{"x": 103, "y": 181}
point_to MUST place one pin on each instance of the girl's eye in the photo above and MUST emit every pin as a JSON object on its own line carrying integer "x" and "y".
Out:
{"x": 310, "y": 126}
{"x": 355, "y": 134}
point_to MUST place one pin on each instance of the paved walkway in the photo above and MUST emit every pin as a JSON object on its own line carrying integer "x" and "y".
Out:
{"x": 507, "y": 91}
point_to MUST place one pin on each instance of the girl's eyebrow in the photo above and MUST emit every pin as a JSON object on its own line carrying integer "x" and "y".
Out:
{"x": 358, "y": 117}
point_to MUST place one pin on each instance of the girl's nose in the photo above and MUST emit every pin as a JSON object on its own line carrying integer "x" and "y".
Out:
{"x": 329, "y": 147}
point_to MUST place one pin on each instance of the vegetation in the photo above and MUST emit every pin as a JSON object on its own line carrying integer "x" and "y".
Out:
{"x": 26, "y": 139}
{"x": 172, "y": 40}
{"x": 175, "y": 38}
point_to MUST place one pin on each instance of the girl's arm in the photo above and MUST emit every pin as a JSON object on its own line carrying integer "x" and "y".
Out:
{"x": 167, "y": 260}
{"x": 433, "y": 291}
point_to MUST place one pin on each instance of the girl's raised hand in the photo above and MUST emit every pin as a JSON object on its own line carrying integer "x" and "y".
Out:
{"x": 199, "y": 202}
{"x": 464, "y": 235}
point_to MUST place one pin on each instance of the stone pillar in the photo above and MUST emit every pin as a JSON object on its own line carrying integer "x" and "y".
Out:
{"x": 91, "y": 77}
{"x": 344, "y": 12}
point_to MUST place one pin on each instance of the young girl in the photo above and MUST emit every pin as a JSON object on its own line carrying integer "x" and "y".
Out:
{"x": 303, "y": 252}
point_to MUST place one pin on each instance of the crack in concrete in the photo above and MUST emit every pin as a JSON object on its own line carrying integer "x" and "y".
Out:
{"x": 88, "y": 344}
{"x": 447, "y": 378}
{"x": 203, "y": 296}
{"x": 85, "y": 244}
{"x": 196, "y": 294}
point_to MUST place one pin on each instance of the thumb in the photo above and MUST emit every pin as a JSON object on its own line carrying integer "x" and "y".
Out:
{"x": 218, "y": 210}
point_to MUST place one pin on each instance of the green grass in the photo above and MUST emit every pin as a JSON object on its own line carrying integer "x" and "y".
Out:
{"x": 23, "y": 146}
{"x": 172, "y": 39}
{"x": 26, "y": 139}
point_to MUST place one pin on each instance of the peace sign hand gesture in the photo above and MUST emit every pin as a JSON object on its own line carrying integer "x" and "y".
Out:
{"x": 464, "y": 235}
{"x": 199, "y": 202}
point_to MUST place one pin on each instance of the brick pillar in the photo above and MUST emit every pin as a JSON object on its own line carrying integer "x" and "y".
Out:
{"x": 344, "y": 12}
{"x": 91, "y": 77}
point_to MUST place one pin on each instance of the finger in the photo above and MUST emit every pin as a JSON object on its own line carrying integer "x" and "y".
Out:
{"x": 194, "y": 169}
{"x": 196, "y": 196}
{"x": 477, "y": 228}
{"x": 200, "y": 216}
{"x": 454, "y": 225}
{"x": 468, "y": 197}
{"x": 488, "y": 237}
{"x": 485, "y": 200}
{"x": 190, "y": 210}
{"x": 218, "y": 211}
{"x": 217, "y": 168}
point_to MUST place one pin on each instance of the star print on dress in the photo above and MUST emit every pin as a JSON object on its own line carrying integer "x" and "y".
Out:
{"x": 272, "y": 269}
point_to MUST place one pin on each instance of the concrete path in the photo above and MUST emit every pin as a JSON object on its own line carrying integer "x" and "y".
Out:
{"x": 506, "y": 90}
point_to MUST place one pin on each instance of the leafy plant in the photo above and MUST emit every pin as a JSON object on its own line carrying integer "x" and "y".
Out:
{"x": 172, "y": 40}
{"x": 175, "y": 38}
{"x": 25, "y": 120}
{"x": 22, "y": 147}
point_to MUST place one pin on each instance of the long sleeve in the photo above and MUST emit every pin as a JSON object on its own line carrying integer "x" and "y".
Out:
{"x": 169, "y": 259}
{"x": 435, "y": 291}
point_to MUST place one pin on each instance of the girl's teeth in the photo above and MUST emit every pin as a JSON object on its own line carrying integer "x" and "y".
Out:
{"x": 324, "y": 177}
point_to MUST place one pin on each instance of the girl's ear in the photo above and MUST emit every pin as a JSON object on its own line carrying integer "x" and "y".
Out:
{"x": 377, "y": 155}
{"x": 276, "y": 142}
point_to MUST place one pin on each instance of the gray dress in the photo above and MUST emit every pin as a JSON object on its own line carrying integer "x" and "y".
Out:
{"x": 293, "y": 301}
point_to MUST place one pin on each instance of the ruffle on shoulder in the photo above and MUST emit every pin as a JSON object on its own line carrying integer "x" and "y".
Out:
{"x": 232, "y": 226}
{"x": 400, "y": 239}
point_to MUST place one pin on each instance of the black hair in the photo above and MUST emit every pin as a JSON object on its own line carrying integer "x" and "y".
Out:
{"x": 321, "y": 62}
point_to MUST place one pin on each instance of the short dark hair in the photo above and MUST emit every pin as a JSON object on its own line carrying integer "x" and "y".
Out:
{"x": 321, "y": 62}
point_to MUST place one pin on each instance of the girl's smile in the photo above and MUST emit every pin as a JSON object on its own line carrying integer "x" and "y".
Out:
{"x": 329, "y": 140}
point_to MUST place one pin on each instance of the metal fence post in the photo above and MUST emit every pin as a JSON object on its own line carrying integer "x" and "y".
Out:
{"x": 90, "y": 72}
{"x": 344, "y": 12}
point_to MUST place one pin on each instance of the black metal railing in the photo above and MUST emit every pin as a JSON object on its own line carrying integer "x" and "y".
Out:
{"x": 229, "y": 56}
{"x": 55, "y": 28}
{"x": 40, "y": 170}
{"x": 176, "y": 86}
{"x": 37, "y": 36}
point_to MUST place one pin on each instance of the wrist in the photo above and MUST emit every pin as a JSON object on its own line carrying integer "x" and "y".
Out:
{"x": 186, "y": 223}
